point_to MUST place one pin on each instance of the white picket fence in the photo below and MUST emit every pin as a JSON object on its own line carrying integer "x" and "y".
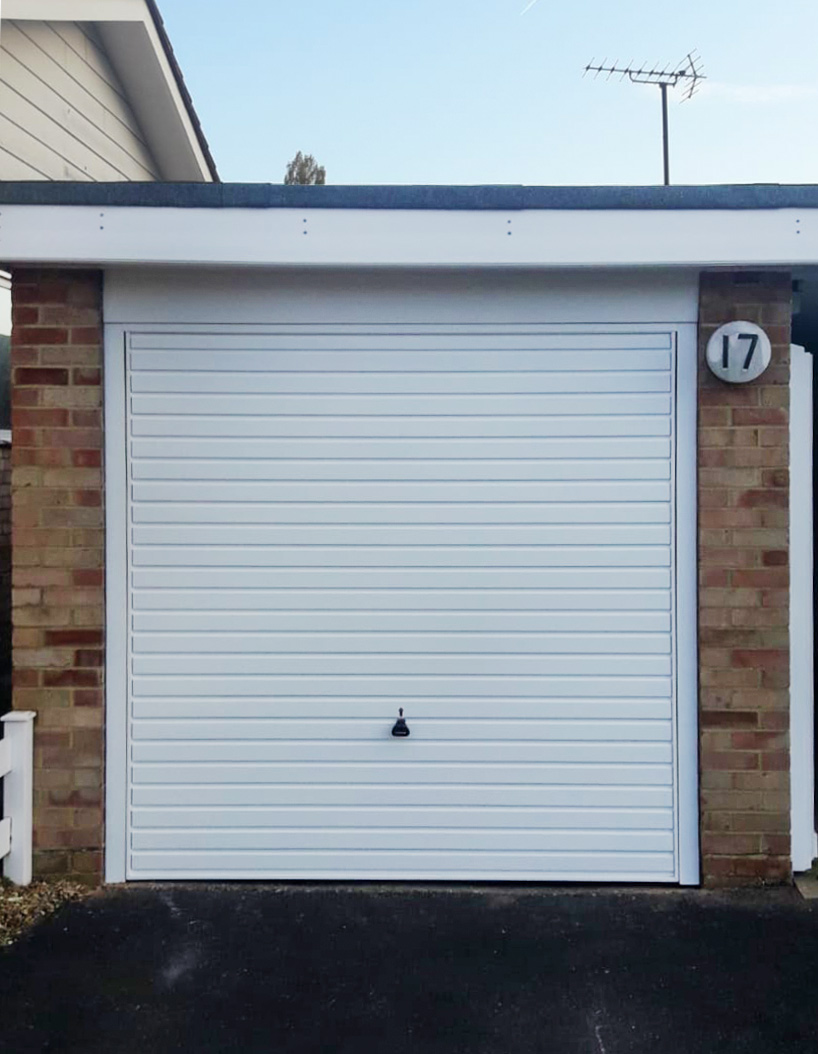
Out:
{"x": 17, "y": 773}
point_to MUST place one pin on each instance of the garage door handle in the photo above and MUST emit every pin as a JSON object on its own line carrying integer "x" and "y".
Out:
{"x": 400, "y": 728}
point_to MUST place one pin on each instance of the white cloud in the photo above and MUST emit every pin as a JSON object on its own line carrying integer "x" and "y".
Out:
{"x": 756, "y": 94}
{"x": 528, "y": 6}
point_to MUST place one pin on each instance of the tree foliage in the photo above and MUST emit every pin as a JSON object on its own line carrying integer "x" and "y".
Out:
{"x": 305, "y": 170}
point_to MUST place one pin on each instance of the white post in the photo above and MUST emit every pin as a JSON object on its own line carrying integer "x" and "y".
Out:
{"x": 18, "y": 794}
{"x": 802, "y": 732}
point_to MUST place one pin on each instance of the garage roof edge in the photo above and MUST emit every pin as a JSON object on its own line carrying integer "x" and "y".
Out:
{"x": 447, "y": 198}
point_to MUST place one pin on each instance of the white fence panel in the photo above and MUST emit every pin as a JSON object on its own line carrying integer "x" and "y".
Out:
{"x": 17, "y": 771}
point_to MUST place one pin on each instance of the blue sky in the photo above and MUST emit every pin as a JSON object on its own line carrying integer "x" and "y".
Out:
{"x": 471, "y": 91}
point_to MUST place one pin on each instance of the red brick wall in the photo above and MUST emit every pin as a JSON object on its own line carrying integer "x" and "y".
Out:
{"x": 57, "y": 558}
{"x": 744, "y": 591}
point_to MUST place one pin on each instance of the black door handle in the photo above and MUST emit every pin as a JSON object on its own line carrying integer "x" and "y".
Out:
{"x": 400, "y": 728}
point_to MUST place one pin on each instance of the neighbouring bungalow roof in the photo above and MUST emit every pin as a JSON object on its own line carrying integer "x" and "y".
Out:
{"x": 159, "y": 22}
{"x": 448, "y": 198}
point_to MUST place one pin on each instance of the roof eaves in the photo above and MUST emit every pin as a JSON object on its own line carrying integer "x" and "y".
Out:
{"x": 183, "y": 89}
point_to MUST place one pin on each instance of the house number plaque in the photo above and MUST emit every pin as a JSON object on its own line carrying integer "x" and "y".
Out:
{"x": 739, "y": 352}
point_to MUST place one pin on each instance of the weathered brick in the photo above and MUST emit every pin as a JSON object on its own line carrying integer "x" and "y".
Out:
{"x": 727, "y": 678}
{"x": 86, "y": 866}
{"x": 86, "y": 458}
{"x": 27, "y": 316}
{"x": 723, "y": 844}
{"x": 766, "y": 498}
{"x": 729, "y": 719}
{"x": 41, "y": 335}
{"x": 40, "y": 377}
{"x": 67, "y": 315}
{"x": 79, "y": 637}
{"x": 57, "y": 557}
{"x": 762, "y": 699}
{"x": 70, "y": 437}
{"x": 86, "y": 418}
{"x": 719, "y": 395}
{"x": 711, "y": 578}
{"x": 33, "y": 418}
{"x": 775, "y": 678}
{"x": 732, "y": 801}
{"x": 72, "y": 517}
{"x": 763, "y": 578}
{"x": 71, "y": 597}
{"x": 744, "y": 594}
{"x": 89, "y": 697}
{"x": 88, "y": 577}
{"x": 714, "y": 416}
{"x": 776, "y": 844}
{"x": 71, "y": 397}
{"x": 777, "y": 719}
{"x": 715, "y": 779}
{"x": 729, "y": 760}
{"x": 25, "y": 399}
{"x": 746, "y": 740}
{"x": 89, "y": 657}
{"x": 779, "y": 437}
{"x": 70, "y": 678}
{"x": 85, "y": 335}
{"x": 766, "y": 658}
{"x": 87, "y": 498}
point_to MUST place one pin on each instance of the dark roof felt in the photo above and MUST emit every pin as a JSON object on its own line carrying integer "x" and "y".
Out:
{"x": 500, "y": 198}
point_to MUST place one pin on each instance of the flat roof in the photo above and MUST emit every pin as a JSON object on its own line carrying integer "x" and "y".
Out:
{"x": 447, "y": 198}
{"x": 261, "y": 225}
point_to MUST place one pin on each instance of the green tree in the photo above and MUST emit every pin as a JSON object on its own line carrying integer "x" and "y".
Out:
{"x": 305, "y": 170}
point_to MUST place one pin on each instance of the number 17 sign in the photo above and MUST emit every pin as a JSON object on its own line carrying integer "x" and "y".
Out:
{"x": 739, "y": 352}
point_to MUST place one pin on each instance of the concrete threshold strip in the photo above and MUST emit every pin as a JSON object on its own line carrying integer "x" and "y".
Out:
{"x": 807, "y": 886}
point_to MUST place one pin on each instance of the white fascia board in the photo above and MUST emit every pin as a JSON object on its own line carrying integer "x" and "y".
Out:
{"x": 80, "y": 235}
{"x": 137, "y": 54}
{"x": 135, "y": 50}
{"x": 73, "y": 10}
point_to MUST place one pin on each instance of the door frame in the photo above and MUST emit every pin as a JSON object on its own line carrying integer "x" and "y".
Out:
{"x": 117, "y": 577}
{"x": 687, "y": 601}
{"x": 802, "y": 660}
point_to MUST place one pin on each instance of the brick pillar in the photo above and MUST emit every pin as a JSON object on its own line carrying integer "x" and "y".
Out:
{"x": 744, "y": 591}
{"x": 58, "y": 558}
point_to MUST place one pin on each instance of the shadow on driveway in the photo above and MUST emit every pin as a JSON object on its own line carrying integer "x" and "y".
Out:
{"x": 426, "y": 970}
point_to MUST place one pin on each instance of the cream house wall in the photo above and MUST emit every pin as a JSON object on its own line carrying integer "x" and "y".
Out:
{"x": 64, "y": 114}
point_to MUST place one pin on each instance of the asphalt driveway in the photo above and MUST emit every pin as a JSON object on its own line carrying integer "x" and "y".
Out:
{"x": 393, "y": 970}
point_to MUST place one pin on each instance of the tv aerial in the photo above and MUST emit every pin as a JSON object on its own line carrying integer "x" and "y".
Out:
{"x": 687, "y": 73}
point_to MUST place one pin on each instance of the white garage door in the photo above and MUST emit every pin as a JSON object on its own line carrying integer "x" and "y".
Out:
{"x": 474, "y": 523}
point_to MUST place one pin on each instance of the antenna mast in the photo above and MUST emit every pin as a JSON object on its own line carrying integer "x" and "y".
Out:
{"x": 688, "y": 72}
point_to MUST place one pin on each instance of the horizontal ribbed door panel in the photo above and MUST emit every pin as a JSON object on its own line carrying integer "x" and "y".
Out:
{"x": 474, "y": 523}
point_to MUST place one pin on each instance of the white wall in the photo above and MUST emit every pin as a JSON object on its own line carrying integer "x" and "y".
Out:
{"x": 216, "y": 295}
{"x": 63, "y": 111}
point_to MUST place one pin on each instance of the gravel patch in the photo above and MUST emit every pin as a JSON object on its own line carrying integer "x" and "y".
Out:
{"x": 23, "y": 906}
